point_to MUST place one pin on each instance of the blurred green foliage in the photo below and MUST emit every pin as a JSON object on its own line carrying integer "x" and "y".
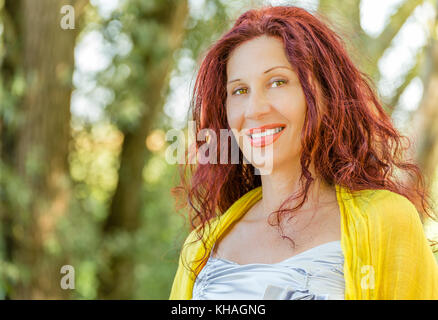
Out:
{"x": 133, "y": 38}
{"x": 95, "y": 154}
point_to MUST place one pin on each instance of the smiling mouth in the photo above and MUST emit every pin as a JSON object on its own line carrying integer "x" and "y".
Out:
{"x": 267, "y": 132}
{"x": 263, "y": 136}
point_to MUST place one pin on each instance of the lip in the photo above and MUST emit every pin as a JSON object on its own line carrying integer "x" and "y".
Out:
{"x": 266, "y": 140}
{"x": 261, "y": 128}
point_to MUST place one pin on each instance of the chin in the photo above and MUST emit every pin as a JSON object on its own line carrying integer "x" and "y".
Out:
{"x": 274, "y": 164}
{"x": 266, "y": 168}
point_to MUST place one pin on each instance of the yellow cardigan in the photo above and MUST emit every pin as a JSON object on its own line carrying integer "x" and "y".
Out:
{"x": 386, "y": 253}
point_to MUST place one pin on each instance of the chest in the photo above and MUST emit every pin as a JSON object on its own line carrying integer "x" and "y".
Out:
{"x": 247, "y": 242}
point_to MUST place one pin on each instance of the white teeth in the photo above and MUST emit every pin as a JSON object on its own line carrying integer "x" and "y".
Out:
{"x": 266, "y": 133}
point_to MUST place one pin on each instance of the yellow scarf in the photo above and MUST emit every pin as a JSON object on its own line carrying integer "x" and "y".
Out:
{"x": 386, "y": 253}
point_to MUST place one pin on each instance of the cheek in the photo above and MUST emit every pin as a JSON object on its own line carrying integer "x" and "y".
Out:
{"x": 295, "y": 110}
{"x": 234, "y": 118}
{"x": 296, "y": 119}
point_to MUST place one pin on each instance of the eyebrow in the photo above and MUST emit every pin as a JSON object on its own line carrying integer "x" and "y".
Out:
{"x": 270, "y": 69}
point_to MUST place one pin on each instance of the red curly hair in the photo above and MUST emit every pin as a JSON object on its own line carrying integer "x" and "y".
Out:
{"x": 350, "y": 141}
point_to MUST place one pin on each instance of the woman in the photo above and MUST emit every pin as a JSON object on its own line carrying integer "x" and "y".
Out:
{"x": 331, "y": 216}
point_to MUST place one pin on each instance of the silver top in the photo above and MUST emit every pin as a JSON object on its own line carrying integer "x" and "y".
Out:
{"x": 315, "y": 274}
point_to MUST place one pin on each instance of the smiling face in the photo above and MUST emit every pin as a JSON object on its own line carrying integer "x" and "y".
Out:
{"x": 265, "y": 102}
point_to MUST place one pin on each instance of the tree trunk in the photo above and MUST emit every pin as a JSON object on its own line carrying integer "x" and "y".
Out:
{"x": 117, "y": 280}
{"x": 41, "y": 144}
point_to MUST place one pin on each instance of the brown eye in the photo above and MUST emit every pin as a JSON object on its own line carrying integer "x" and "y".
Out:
{"x": 279, "y": 81}
{"x": 235, "y": 92}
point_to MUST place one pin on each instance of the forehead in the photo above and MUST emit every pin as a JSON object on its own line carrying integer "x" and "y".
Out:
{"x": 255, "y": 56}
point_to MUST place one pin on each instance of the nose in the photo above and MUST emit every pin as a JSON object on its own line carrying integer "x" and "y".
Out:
{"x": 258, "y": 105}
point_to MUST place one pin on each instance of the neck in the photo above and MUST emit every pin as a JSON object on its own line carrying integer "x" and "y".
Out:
{"x": 281, "y": 184}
